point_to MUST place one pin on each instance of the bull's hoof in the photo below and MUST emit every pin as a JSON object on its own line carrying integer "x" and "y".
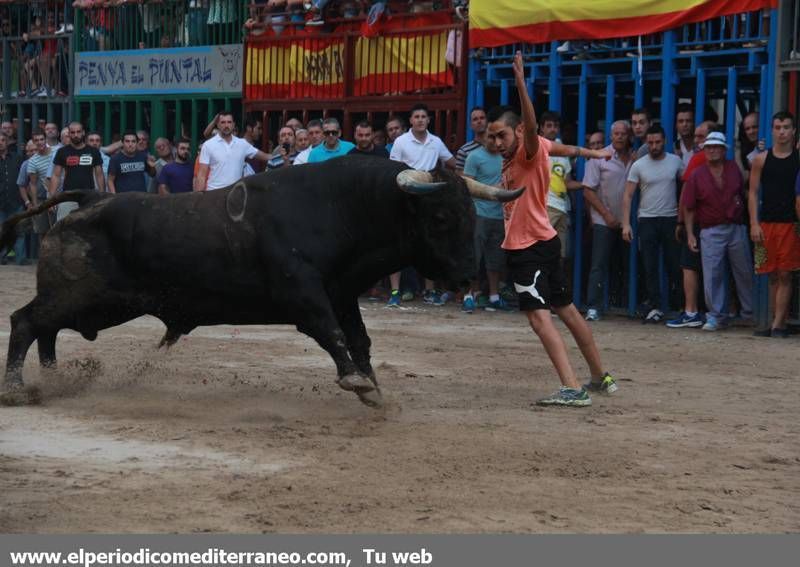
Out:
{"x": 355, "y": 383}
{"x": 371, "y": 398}
{"x": 19, "y": 395}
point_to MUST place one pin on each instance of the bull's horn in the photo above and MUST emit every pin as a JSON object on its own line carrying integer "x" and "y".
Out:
{"x": 482, "y": 191}
{"x": 418, "y": 182}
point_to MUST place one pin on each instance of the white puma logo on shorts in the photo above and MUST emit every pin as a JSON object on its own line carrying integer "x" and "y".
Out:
{"x": 531, "y": 288}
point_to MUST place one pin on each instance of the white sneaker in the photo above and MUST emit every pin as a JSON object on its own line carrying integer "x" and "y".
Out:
{"x": 654, "y": 316}
{"x": 563, "y": 48}
{"x": 592, "y": 315}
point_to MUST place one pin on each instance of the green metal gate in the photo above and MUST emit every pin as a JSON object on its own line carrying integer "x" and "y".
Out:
{"x": 168, "y": 116}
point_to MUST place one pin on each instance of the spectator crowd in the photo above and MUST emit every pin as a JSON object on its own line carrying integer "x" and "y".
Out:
{"x": 703, "y": 226}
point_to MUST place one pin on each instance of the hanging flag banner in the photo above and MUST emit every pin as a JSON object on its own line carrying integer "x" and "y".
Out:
{"x": 502, "y": 22}
{"x": 405, "y": 57}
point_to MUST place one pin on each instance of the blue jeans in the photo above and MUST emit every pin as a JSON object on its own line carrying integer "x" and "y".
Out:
{"x": 19, "y": 245}
{"x": 609, "y": 255}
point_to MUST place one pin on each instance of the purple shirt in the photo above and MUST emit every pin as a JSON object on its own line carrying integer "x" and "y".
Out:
{"x": 177, "y": 177}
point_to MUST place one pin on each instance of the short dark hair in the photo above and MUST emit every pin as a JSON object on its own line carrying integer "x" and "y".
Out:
{"x": 252, "y": 122}
{"x": 550, "y": 116}
{"x": 643, "y": 110}
{"x": 37, "y": 132}
{"x": 94, "y": 133}
{"x": 182, "y": 140}
{"x": 504, "y": 113}
{"x": 419, "y": 106}
{"x": 656, "y": 129}
{"x": 315, "y": 123}
{"x": 784, "y": 115}
{"x": 715, "y": 127}
{"x": 684, "y": 107}
{"x": 129, "y": 133}
{"x": 364, "y": 124}
{"x": 226, "y": 113}
{"x": 476, "y": 108}
{"x": 399, "y": 119}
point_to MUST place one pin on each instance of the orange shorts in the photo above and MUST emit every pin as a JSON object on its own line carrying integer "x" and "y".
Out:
{"x": 781, "y": 248}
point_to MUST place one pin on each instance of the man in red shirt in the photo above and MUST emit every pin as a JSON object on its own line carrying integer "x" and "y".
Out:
{"x": 534, "y": 251}
{"x": 713, "y": 198}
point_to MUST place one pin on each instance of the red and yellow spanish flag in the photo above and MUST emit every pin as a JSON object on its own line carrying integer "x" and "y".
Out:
{"x": 502, "y": 22}
{"x": 402, "y": 57}
{"x": 295, "y": 67}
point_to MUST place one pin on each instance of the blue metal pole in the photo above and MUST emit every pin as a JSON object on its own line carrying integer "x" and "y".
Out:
{"x": 610, "y": 94}
{"x": 609, "y": 120}
{"x": 700, "y": 97}
{"x": 553, "y": 82}
{"x": 730, "y": 111}
{"x": 577, "y": 239}
{"x": 668, "y": 54}
{"x": 504, "y": 91}
{"x": 633, "y": 268}
{"x": 472, "y": 86}
{"x": 766, "y": 108}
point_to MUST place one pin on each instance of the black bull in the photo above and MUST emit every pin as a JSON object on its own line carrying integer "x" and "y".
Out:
{"x": 295, "y": 246}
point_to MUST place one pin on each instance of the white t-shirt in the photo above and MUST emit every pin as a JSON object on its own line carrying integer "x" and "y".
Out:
{"x": 225, "y": 160}
{"x": 423, "y": 156}
{"x": 302, "y": 157}
{"x": 657, "y": 181}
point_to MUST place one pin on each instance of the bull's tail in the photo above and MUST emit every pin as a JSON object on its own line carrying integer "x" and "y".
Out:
{"x": 10, "y": 230}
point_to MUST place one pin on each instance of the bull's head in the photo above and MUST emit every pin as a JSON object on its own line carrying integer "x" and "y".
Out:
{"x": 445, "y": 220}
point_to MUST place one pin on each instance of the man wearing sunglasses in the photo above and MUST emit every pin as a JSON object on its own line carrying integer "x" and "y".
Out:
{"x": 331, "y": 146}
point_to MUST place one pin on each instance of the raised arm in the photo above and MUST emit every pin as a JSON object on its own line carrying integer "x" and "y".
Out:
{"x": 526, "y": 106}
{"x": 563, "y": 150}
{"x": 209, "y": 131}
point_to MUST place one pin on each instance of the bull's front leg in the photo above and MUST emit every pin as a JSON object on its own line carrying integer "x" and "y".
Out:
{"x": 358, "y": 341}
{"x": 317, "y": 320}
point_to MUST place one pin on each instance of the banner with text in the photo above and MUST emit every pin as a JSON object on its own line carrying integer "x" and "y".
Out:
{"x": 213, "y": 69}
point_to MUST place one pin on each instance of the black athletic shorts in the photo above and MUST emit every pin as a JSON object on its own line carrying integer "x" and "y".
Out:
{"x": 691, "y": 260}
{"x": 539, "y": 280}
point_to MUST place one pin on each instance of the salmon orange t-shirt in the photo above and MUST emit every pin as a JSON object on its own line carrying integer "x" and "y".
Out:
{"x": 526, "y": 218}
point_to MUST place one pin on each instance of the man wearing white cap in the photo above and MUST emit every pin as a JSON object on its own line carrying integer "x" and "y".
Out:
{"x": 713, "y": 197}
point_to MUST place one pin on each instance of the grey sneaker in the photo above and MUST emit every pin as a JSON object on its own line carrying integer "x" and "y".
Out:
{"x": 567, "y": 397}
{"x": 592, "y": 315}
{"x": 606, "y": 385}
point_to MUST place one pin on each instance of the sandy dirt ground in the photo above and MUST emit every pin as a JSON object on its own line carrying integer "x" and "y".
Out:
{"x": 243, "y": 430}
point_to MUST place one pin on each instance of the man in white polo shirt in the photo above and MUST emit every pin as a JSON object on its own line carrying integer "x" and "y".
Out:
{"x": 421, "y": 150}
{"x": 418, "y": 148}
{"x": 224, "y": 156}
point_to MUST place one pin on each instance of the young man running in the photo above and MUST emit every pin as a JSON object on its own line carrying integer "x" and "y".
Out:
{"x": 534, "y": 251}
